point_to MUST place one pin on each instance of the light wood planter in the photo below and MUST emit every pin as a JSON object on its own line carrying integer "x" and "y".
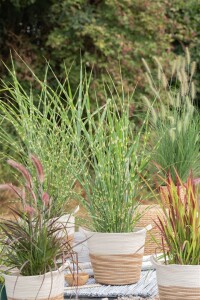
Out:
{"x": 150, "y": 214}
{"x": 177, "y": 282}
{"x": 116, "y": 257}
{"x": 41, "y": 287}
{"x": 164, "y": 194}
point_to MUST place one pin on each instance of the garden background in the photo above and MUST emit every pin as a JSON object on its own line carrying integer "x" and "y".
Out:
{"x": 109, "y": 37}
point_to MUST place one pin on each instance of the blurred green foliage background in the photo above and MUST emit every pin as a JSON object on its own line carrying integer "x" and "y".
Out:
{"x": 104, "y": 33}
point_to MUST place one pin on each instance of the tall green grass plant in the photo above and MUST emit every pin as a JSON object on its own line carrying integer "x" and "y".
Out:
{"x": 175, "y": 120}
{"x": 116, "y": 158}
{"x": 45, "y": 124}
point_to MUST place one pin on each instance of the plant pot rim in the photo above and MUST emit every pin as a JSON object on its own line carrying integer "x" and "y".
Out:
{"x": 45, "y": 275}
{"x": 137, "y": 230}
{"x": 161, "y": 264}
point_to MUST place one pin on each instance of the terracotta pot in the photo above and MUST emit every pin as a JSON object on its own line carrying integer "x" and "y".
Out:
{"x": 77, "y": 279}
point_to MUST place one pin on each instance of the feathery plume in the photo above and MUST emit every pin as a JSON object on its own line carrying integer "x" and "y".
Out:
{"x": 188, "y": 58}
{"x": 38, "y": 167}
{"x": 159, "y": 74}
{"x": 188, "y": 102}
{"x": 29, "y": 210}
{"x": 22, "y": 170}
{"x": 183, "y": 64}
{"x": 154, "y": 116}
{"x": 193, "y": 91}
{"x": 146, "y": 66}
{"x": 155, "y": 92}
{"x": 12, "y": 188}
{"x": 149, "y": 79}
{"x": 184, "y": 76}
{"x": 164, "y": 80}
{"x": 179, "y": 75}
{"x": 45, "y": 198}
{"x": 5, "y": 186}
{"x": 193, "y": 68}
{"x": 31, "y": 192}
{"x": 186, "y": 121}
{"x": 157, "y": 62}
{"x": 191, "y": 110}
{"x": 146, "y": 101}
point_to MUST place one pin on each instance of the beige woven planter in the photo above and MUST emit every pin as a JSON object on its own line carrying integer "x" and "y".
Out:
{"x": 177, "y": 282}
{"x": 41, "y": 287}
{"x": 116, "y": 257}
{"x": 164, "y": 191}
{"x": 150, "y": 214}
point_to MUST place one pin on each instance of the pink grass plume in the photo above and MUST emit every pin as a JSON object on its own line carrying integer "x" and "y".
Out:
{"x": 22, "y": 170}
{"x": 29, "y": 210}
{"x": 38, "y": 167}
{"x": 45, "y": 198}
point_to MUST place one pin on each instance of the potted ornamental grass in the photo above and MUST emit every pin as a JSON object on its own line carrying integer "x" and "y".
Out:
{"x": 175, "y": 121}
{"x": 67, "y": 221}
{"x": 178, "y": 275}
{"x": 34, "y": 249}
{"x": 115, "y": 157}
